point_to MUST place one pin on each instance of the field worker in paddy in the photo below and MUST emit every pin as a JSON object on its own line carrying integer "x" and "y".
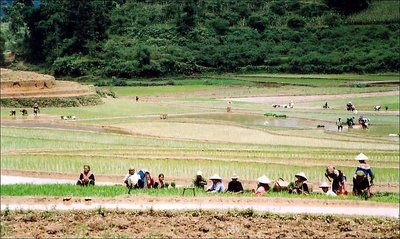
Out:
{"x": 235, "y": 186}
{"x": 36, "y": 109}
{"x": 131, "y": 178}
{"x": 338, "y": 180}
{"x": 216, "y": 185}
{"x": 362, "y": 173}
{"x": 325, "y": 188}
{"x": 148, "y": 180}
{"x": 86, "y": 178}
{"x": 299, "y": 186}
{"x": 339, "y": 124}
{"x": 160, "y": 183}
{"x": 263, "y": 185}
{"x": 199, "y": 181}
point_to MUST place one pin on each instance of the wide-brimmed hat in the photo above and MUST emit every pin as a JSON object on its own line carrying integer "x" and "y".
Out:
{"x": 301, "y": 174}
{"x": 199, "y": 173}
{"x": 264, "y": 179}
{"x": 361, "y": 156}
{"x": 234, "y": 176}
{"x": 324, "y": 185}
{"x": 215, "y": 176}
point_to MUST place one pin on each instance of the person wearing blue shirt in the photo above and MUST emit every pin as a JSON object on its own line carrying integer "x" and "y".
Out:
{"x": 216, "y": 186}
{"x": 363, "y": 176}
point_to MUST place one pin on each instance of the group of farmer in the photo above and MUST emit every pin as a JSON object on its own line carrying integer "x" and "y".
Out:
{"x": 24, "y": 111}
{"x": 363, "y": 180}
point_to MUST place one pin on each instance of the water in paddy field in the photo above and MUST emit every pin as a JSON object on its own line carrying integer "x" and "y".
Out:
{"x": 263, "y": 121}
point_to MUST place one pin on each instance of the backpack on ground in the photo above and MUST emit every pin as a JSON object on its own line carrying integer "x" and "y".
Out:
{"x": 280, "y": 185}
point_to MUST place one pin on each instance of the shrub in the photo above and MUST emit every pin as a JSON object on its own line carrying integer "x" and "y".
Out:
{"x": 71, "y": 66}
{"x": 332, "y": 20}
{"x": 296, "y": 22}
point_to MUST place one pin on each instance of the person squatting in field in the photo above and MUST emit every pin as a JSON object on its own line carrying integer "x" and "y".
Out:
{"x": 216, "y": 184}
{"x": 338, "y": 180}
{"x": 263, "y": 185}
{"x": 363, "y": 178}
{"x": 199, "y": 181}
{"x": 300, "y": 186}
{"x": 86, "y": 177}
{"x": 235, "y": 186}
{"x": 325, "y": 188}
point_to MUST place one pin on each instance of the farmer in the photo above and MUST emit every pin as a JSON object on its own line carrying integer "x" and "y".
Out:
{"x": 299, "y": 186}
{"x": 86, "y": 177}
{"x": 36, "y": 109}
{"x": 338, "y": 180}
{"x": 24, "y": 112}
{"x": 325, "y": 188}
{"x": 216, "y": 185}
{"x": 160, "y": 183}
{"x": 141, "y": 173}
{"x": 235, "y": 186}
{"x": 199, "y": 181}
{"x": 325, "y": 106}
{"x": 363, "y": 122}
{"x": 137, "y": 98}
{"x": 350, "y": 122}
{"x": 131, "y": 178}
{"x": 148, "y": 180}
{"x": 339, "y": 124}
{"x": 13, "y": 113}
{"x": 263, "y": 185}
{"x": 350, "y": 107}
{"x": 363, "y": 176}
{"x": 377, "y": 107}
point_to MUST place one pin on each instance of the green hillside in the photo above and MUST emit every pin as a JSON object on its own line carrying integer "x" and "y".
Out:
{"x": 136, "y": 38}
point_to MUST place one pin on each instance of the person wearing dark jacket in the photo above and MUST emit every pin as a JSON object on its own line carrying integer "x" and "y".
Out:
{"x": 235, "y": 186}
{"x": 199, "y": 181}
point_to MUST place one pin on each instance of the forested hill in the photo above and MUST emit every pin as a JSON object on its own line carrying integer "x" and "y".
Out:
{"x": 152, "y": 38}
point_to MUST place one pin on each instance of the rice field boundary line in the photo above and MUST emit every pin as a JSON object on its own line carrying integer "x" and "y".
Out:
{"x": 197, "y": 158}
{"x": 133, "y": 133}
{"x": 228, "y": 158}
{"x": 308, "y": 98}
{"x": 209, "y": 142}
{"x": 306, "y": 154}
{"x": 341, "y": 137}
{"x": 377, "y": 142}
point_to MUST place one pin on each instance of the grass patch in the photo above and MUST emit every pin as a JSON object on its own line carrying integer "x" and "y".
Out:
{"x": 378, "y": 12}
{"x": 61, "y": 190}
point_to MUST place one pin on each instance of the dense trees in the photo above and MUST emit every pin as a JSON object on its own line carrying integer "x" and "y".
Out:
{"x": 136, "y": 38}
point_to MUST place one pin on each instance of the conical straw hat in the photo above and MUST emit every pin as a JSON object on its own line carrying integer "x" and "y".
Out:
{"x": 361, "y": 156}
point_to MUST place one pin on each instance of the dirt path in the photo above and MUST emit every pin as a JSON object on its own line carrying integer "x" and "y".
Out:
{"x": 305, "y": 98}
{"x": 215, "y": 202}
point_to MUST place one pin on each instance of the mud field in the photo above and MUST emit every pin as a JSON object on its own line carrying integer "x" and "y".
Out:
{"x": 190, "y": 224}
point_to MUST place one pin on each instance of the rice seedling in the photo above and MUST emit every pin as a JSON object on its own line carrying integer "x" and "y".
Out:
{"x": 62, "y": 190}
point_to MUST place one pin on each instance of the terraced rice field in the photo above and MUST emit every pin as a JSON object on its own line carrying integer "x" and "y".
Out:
{"x": 200, "y": 135}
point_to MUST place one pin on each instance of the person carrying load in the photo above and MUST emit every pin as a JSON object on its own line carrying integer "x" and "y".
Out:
{"x": 363, "y": 179}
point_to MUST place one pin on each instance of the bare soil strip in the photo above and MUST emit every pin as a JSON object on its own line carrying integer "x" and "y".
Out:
{"x": 190, "y": 224}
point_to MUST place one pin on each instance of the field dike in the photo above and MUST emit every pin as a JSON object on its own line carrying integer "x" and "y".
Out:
{"x": 71, "y": 101}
